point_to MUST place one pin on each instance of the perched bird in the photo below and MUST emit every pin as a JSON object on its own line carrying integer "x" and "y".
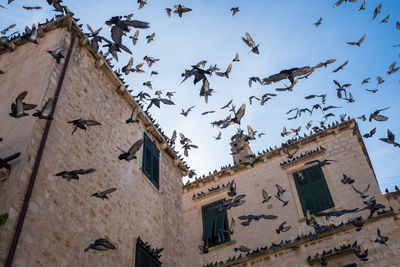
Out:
{"x": 234, "y": 10}
{"x": 101, "y": 244}
{"x": 180, "y": 9}
{"x": 359, "y": 41}
{"x": 185, "y": 113}
{"x": 31, "y": 34}
{"x": 347, "y": 180}
{"x": 204, "y": 249}
{"x": 265, "y": 196}
{"x": 362, "y": 194}
{"x": 8, "y": 28}
{"x": 242, "y": 249}
{"x": 318, "y": 22}
{"x": 377, "y": 11}
{"x": 341, "y": 66}
{"x": 250, "y": 43}
{"x": 103, "y": 195}
{"x": 282, "y": 228}
{"x": 380, "y": 238}
{"x": 390, "y": 139}
{"x": 133, "y": 118}
{"x": 131, "y": 152}
{"x": 370, "y": 134}
{"x": 81, "y": 124}
{"x": 69, "y": 175}
{"x": 19, "y": 107}
{"x": 46, "y": 110}
{"x": 57, "y": 54}
{"x": 150, "y": 37}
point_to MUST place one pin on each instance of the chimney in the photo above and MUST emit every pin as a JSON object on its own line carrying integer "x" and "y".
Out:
{"x": 240, "y": 149}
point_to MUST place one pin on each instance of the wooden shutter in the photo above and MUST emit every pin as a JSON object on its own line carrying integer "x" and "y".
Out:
{"x": 313, "y": 191}
{"x": 155, "y": 165}
{"x": 145, "y": 259}
{"x": 147, "y": 156}
{"x": 151, "y": 161}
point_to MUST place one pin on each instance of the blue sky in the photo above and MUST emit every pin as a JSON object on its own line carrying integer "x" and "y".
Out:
{"x": 287, "y": 37}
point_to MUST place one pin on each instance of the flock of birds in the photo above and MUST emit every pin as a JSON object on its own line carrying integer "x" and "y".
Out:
{"x": 236, "y": 200}
{"x": 121, "y": 26}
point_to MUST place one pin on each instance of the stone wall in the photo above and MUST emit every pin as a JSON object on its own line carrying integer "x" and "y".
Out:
{"x": 62, "y": 218}
{"x": 340, "y": 145}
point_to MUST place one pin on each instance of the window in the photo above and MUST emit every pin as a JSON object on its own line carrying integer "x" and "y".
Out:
{"x": 214, "y": 224}
{"x": 151, "y": 160}
{"x": 144, "y": 258}
{"x": 313, "y": 191}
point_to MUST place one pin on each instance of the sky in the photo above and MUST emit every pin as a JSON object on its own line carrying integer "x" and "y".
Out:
{"x": 287, "y": 37}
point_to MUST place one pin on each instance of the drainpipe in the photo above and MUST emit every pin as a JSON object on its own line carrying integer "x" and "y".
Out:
{"x": 38, "y": 159}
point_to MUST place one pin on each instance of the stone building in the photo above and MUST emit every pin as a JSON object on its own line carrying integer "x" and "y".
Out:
{"x": 62, "y": 218}
{"x": 208, "y": 212}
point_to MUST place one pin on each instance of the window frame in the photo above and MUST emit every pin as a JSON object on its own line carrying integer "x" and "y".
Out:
{"x": 330, "y": 203}
{"x": 153, "y": 261}
{"x": 218, "y": 239}
{"x": 152, "y": 154}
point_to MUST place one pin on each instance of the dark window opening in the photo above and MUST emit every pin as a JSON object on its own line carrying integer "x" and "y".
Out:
{"x": 151, "y": 161}
{"x": 215, "y": 224}
{"x": 144, "y": 258}
{"x": 312, "y": 189}
{"x": 351, "y": 265}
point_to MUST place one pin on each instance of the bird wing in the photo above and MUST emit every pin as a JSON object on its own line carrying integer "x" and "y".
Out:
{"x": 137, "y": 24}
{"x": 358, "y": 192}
{"x": 136, "y": 146}
{"x": 240, "y": 113}
{"x": 91, "y": 122}
{"x": 108, "y": 191}
{"x": 366, "y": 189}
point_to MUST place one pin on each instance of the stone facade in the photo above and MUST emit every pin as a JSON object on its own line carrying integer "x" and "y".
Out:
{"x": 339, "y": 144}
{"x": 62, "y": 218}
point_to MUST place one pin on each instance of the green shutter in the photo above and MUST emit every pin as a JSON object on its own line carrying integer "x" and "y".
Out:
{"x": 313, "y": 191}
{"x": 155, "y": 165}
{"x": 151, "y": 161}
{"x": 213, "y": 220}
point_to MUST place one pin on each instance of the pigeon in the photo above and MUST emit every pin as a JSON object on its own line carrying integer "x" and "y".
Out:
{"x": 318, "y": 22}
{"x": 232, "y": 189}
{"x": 133, "y": 118}
{"x": 81, "y": 124}
{"x": 335, "y": 213}
{"x": 101, "y": 244}
{"x": 377, "y": 11}
{"x": 265, "y": 196}
{"x": 362, "y": 7}
{"x": 365, "y": 81}
{"x": 380, "y": 238}
{"x": 362, "y": 194}
{"x": 226, "y": 73}
{"x": 231, "y": 229}
{"x": 242, "y": 249}
{"x": 180, "y": 9}
{"x": 219, "y": 136}
{"x": 150, "y": 37}
{"x": 385, "y": 20}
{"x": 359, "y": 41}
{"x": 168, "y": 11}
{"x": 204, "y": 249}
{"x": 236, "y": 59}
{"x": 320, "y": 163}
{"x": 370, "y": 134}
{"x": 347, "y": 180}
{"x": 249, "y": 41}
{"x": 103, "y": 195}
{"x": 282, "y": 228}
{"x": 390, "y": 139}
{"x": 234, "y": 10}
{"x": 376, "y": 116}
{"x": 57, "y": 54}
{"x": 69, "y": 175}
{"x": 341, "y": 66}
{"x": 131, "y": 152}
{"x": 19, "y": 107}
{"x": 280, "y": 196}
{"x": 392, "y": 68}
{"x": 185, "y": 113}
{"x": 228, "y": 104}
{"x": 45, "y": 112}
{"x": 32, "y": 7}
{"x": 135, "y": 37}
